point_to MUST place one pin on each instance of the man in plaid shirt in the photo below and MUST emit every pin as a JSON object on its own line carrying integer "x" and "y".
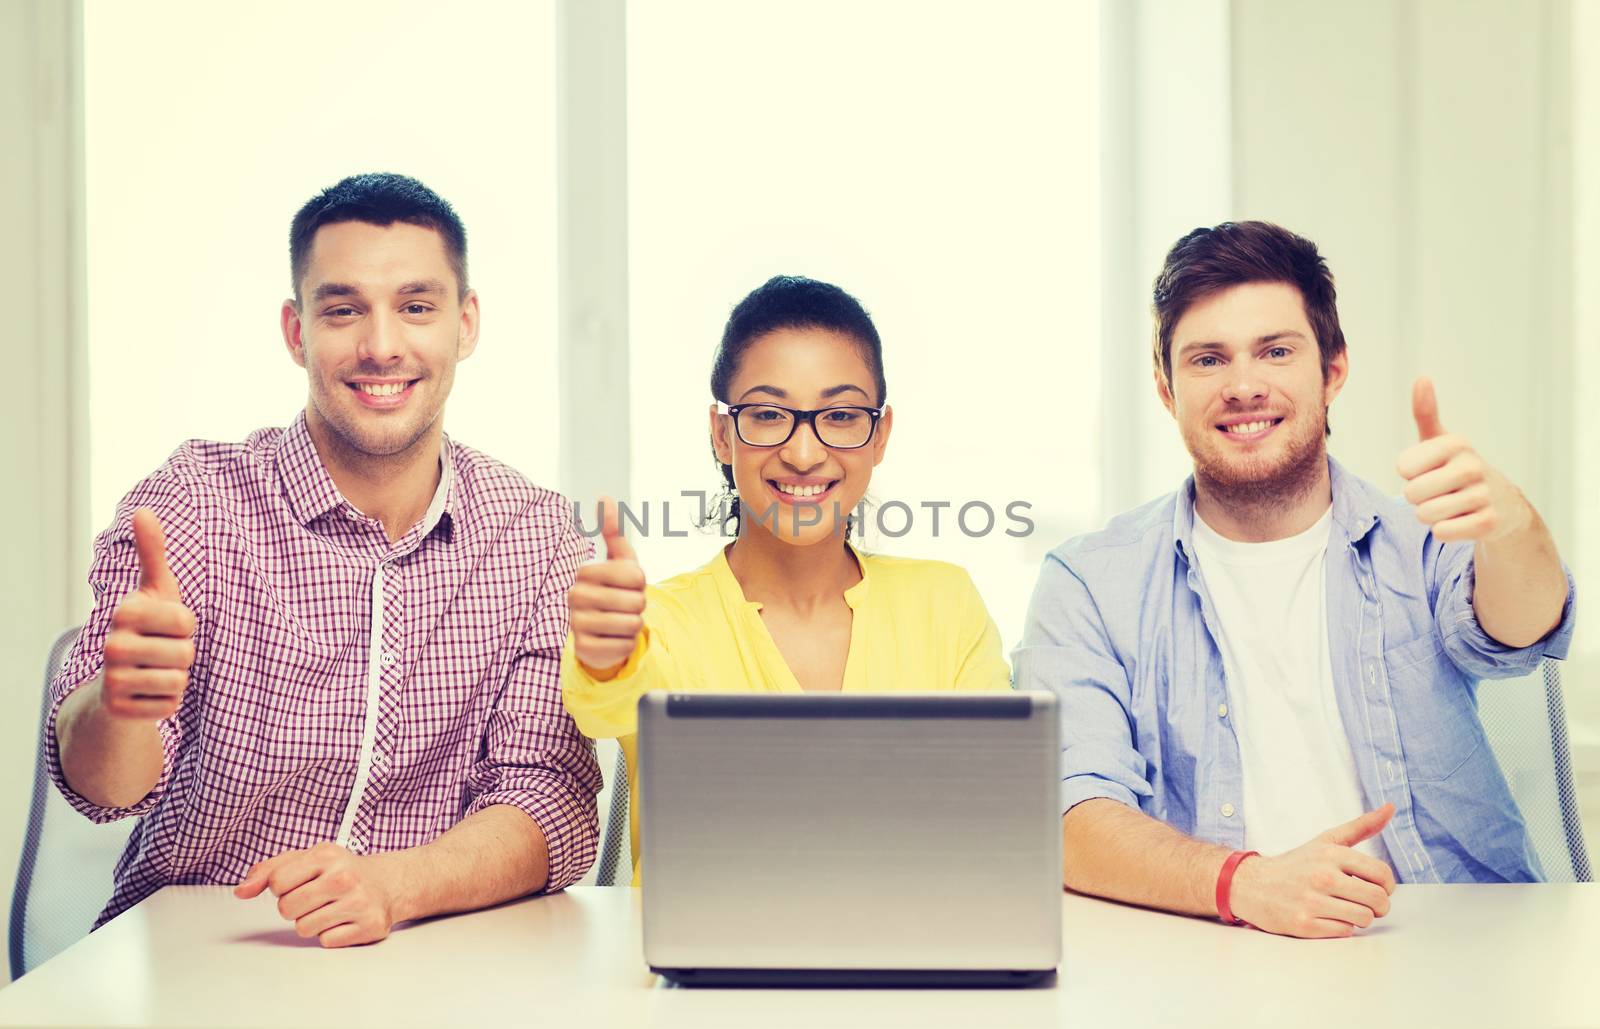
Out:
{"x": 324, "y": 661}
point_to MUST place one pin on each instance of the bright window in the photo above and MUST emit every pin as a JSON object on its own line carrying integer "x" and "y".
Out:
{"x": 939, "y": 162}
{"x": 208, "y": 128}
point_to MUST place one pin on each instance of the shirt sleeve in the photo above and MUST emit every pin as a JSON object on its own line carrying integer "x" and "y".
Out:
{"x": 533, "y": 758}
{"x": 1472, "y": 649}
{"x": 113, "y": 574}
{"x": 981, "y": 666}
{"x": 1065, "y": 649}
{"x": 609, "y": 709}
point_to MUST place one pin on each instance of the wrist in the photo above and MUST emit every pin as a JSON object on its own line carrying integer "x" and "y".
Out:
{"x": 85, "y": 700}
{"x": 385, "y": 875}
{"x": 607, "y": 668}
{"x": 601, "y": 673}
{"x": 86, "y": 713}
{"x": 1230, "y": 877}
{"x": 1517, "y": 518}
{"x": 1526, "y": 517}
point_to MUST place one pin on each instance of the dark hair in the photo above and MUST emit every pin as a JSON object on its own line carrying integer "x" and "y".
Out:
{"x": 1232, "y": 254}
{"x": 377, "y": 198}
{"x": 791, "y": 302}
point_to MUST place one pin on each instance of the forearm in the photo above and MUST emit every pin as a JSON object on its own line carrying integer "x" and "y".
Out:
{"x": 109, "y": 761}
{"x": 1111, "y": 850}
{"x": 495, "y": 855}
{"x": 1519, "y": 589}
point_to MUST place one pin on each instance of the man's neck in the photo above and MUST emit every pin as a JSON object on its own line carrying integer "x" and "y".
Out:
{"x": 802, "y": 579}
{"x": 396, "y": 489}
{"x": 1260, "y": 514}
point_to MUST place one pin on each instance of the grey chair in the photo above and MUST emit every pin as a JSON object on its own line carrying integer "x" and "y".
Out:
{"x": 1526, "y": 722}
{"x": 65, "y": 873}
{"x": 616, "y": 850}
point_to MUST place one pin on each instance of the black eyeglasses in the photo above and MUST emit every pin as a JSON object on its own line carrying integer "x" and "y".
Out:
{"x": 768, "y": 425}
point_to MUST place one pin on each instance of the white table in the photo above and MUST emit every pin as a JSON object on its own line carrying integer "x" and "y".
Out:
{"x": 1447, "y": 956}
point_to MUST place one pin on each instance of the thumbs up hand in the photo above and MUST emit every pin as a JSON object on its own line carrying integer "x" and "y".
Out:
{"x": 606, "y": 602}
{"x": 150, "y": 648}
{"x": 1454, "y": 490}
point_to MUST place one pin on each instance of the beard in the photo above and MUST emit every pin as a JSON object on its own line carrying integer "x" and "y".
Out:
{"x": 1257, "y": 481}
{"x": 379, "y": 441}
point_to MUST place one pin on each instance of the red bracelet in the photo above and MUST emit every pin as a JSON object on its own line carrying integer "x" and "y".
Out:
{"x": 1225, "y": 885}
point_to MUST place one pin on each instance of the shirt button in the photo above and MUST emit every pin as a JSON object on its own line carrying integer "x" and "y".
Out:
{"x": 389, "y": 659}
{"x": 1222, "y": 710}
{"x": 1227, "y": 811}
{"x": 1372, "y": 674}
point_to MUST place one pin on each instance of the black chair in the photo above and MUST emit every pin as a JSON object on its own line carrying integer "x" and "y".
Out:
{"x": 65, "y": 874}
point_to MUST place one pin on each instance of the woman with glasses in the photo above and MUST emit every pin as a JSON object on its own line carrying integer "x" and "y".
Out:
{"x": 798, "y": 426}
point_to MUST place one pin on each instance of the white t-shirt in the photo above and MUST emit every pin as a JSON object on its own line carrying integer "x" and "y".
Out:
{"x": 1271, "y": 602}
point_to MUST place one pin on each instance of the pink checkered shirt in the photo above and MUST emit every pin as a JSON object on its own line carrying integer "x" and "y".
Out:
{"x": 275, "y": 746}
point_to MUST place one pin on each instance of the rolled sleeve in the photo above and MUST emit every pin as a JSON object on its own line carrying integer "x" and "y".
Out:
{"x": 609, "y": 709}
{"x": 533, "y": 757}
{"x": 113, "y": 574}
{"x": 1472, "y": 649}
{"x": 171, "y": 735}
{"x": 564, "y": 812}
{"x": 1065, "y": 649}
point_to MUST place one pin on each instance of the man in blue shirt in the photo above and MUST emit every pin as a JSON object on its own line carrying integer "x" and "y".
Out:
{"x": 1277, "y": 658}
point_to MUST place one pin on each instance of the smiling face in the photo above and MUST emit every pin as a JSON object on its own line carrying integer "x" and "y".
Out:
{"x": 1248, "y": 391}
{"x": 800, "y": 491}
{"x": 379, "y": 332}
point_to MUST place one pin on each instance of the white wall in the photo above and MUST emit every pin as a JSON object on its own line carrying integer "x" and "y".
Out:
{"x": 1583, "y": 456}
{"x": 1421, "y": 145}
{"x": 41, "y": 420}
{"x": 1585, "y": 452}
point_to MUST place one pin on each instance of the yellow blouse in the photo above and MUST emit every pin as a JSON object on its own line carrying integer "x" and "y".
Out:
{"x": 917, "y": 626}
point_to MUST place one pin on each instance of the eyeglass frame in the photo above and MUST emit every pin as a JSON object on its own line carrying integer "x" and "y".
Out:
{"x": 806, "y": 417}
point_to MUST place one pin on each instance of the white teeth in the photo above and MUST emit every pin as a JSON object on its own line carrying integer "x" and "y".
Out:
{"x": 801, "y": 491}
{"x": 1246, "y": 428}
{"x": 382, "y": 389}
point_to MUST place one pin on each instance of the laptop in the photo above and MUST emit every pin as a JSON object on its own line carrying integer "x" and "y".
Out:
{"x": 842, "y": 839}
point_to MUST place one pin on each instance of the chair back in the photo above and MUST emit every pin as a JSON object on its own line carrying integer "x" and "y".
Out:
{"x": 616, "y": 850}
{"x": 66, "y": 872}
{"x": 1525, "y": 719}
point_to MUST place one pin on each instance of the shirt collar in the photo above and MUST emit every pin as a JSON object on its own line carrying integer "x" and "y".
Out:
{"x": 306, "y": 482}
{"x": 1355, "y": 509}
{"x": 311, "y": 492}
{"x": 1355, "y": 504}
{"x": 438, "y": 515}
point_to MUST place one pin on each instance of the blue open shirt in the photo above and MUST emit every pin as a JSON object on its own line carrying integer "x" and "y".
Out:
{"x": 1122, "y": 630}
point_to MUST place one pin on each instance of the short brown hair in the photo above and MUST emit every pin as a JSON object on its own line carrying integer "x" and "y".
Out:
{"x": 381, "y": 199}
{"x": 1207, "y": 261}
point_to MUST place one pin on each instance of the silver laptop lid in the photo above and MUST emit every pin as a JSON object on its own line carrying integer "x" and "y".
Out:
{"x": 845, "y": 831}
